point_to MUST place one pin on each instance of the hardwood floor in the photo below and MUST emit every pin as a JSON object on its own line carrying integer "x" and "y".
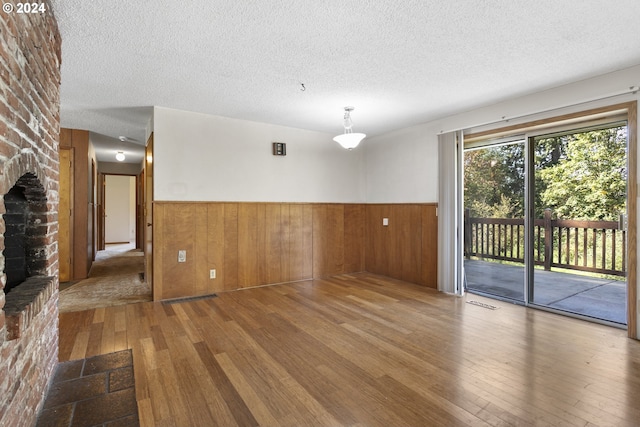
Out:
{"x": 362, "y": 350}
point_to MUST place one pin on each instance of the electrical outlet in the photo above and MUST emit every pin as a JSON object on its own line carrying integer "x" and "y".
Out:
{"x": 182, "y": 255}
{"x": 212, "y": 273}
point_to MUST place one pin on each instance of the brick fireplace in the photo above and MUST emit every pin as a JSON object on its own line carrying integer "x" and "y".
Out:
{"x": 29, "y": 175}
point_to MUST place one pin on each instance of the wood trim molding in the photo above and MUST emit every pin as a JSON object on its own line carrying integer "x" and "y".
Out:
{"x": 632, "y": 214}
{"x": 600, "y": 112}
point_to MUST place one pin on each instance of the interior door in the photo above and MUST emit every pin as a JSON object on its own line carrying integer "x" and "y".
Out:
{"x": 65, "y": 231}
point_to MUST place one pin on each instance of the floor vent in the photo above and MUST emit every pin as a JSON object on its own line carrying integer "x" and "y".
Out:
{"x": 483, "y": 305}
{"x": 188, "y": 299}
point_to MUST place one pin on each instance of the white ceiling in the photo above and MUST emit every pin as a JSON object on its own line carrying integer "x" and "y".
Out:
{"x": 399, "y": 62}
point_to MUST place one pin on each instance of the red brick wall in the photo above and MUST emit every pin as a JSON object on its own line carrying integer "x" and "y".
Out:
{"x": 29, "y": 133}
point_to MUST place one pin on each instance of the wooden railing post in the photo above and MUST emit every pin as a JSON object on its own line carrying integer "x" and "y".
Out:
{"x": 467, "y": 234}
{"x": 548, "y": 239}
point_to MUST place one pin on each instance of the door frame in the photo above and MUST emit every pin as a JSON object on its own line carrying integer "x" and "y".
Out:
{"x": 630, "y": 109}
{"x": 148, "y": 216}
{"x": 65, "y": 228}
{"x": 104, "y": 207}
{"x": 101, "y": 213}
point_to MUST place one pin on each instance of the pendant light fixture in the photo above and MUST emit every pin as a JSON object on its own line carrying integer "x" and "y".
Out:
{"x": 348, "y": 139}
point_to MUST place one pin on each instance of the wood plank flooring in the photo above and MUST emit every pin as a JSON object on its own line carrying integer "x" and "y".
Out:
{"x": 362, "y": 350}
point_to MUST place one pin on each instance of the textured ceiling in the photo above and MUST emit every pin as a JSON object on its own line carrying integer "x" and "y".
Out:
{"x": 399, "y": 62}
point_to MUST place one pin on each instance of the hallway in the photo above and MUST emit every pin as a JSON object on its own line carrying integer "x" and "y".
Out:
{"x": 116, "y": 278}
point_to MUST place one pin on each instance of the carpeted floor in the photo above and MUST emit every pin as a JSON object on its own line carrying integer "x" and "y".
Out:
{"x": 115, "y": 279}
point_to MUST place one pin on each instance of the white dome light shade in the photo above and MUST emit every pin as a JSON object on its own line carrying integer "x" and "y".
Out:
{"x": 120, "y": 156}
{"x": 349, "y": 140}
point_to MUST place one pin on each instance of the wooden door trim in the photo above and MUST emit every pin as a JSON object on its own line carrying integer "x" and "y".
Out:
{"x": 148, "y": 246}
{"x": 69, "y": 231}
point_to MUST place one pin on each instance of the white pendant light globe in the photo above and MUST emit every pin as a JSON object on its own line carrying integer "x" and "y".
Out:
{"x": 348, "y": 139}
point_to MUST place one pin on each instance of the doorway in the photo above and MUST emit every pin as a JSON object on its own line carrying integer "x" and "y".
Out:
{"x": 120, "y": 210}
{"x": 545, "y": 219}
{"x": 117, "y": 275}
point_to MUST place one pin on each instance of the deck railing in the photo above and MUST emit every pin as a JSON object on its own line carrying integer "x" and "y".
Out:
{"x": 593, "y": 246}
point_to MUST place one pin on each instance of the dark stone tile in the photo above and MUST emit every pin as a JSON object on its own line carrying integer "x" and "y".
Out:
{"x": 56, "y": 417}
{"x": 75, "y": 390}
{"x": 68, "y": 370}
{"x": 131, "y": 421}
{"x": 108, "y": 362}
{"x": 121, "y": 379}
{"x": 106, "y": 408}
{"x": 104, "y": 396}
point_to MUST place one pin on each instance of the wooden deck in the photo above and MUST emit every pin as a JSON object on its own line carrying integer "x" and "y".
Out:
{"x": 363, "y": 350}
{"x": 603, "y": 299}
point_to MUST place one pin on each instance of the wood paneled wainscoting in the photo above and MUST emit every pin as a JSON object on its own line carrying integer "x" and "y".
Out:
{"x": 406, "y": 248}
{"x": 255, "y": 244}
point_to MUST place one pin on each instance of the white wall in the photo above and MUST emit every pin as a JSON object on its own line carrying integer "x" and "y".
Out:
{"x": 120, "y": 208}
{"x": 119, "y": 168}
{"x": 199, "y": 157}
{"x": 402, "y": 166}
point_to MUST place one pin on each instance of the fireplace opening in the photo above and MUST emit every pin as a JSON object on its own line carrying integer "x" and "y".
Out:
{"x": 25, "y": 229}
{"x": 15, "y": 221}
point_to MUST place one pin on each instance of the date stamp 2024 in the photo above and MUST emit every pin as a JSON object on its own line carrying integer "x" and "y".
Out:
{"x": 24, "y": 7}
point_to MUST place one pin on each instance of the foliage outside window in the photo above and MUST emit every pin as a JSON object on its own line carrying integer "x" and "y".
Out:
{"x": 577, "y": 175}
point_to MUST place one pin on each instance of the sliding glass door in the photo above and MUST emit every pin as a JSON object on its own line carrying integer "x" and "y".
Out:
{"x": 568, "y": 253}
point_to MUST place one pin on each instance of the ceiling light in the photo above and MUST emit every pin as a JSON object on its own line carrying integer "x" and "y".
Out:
{"x": 120, "y": 156}
{"x": 348, "y": 139}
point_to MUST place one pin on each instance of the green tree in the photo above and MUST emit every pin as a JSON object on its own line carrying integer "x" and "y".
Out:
{"x": 578, "y": 175}
{"x": 494, "y": 181}
{"x": 582, "y": 175}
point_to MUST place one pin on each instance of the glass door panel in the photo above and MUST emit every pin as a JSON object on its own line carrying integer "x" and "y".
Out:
{"x": 579, "y": 234}
{"x": 494, "y": 239}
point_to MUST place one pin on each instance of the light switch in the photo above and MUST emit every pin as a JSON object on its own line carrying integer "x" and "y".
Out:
{"x": 182, "y": 256}
{"x": 385, "y": 221}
